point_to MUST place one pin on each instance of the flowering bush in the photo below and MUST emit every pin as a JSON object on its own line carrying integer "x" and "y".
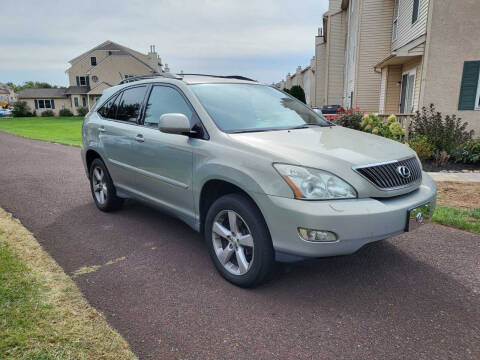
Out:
{"x": 421, "y": 146}
{"x": 350, "y": 118}
{"x": 389, "y": 128}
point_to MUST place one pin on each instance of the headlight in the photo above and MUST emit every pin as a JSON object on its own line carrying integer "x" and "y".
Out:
{"x": 314, "y": 184}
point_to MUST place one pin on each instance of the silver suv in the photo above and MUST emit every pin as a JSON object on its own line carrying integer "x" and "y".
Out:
{"x": 258, "y": 173}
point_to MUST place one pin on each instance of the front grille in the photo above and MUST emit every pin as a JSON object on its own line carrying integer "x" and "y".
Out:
{"x": 386, "y": 176}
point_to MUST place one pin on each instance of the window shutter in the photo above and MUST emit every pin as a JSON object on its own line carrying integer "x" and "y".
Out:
{"x": 88, "y": 80}
{"x": 52, "y": 104}
{"x": 78, "y": 80}
{"x": 468, "y": 89}
{"x": 36, "y": 104}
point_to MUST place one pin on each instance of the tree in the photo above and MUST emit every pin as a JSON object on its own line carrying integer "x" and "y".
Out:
{"x": 30, "y": 85}
{"x": 21, "y": 109}
{"x": 297, "y": 92}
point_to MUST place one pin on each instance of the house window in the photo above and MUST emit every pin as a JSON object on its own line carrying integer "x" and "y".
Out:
{"x": 470, "y": 86}
{"x": 83, "y": 81}
{"x": 395, "y": 21}
{"x": 44, "y": 104}
{"x": 93, "y": 61}
{"x": 129, "y": 76}
{"x": 75, "y": 101}
{"x": 416, "y": 5}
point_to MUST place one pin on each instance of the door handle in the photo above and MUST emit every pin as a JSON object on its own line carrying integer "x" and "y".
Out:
{"x": 139, "y": 138}
{"x": 101, "y": 129}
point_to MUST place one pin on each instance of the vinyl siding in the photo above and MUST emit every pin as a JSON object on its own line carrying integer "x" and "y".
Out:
{"x": 374, "y": 46}
{"x": 320, "y": 66}
{"x": 392, "y": 95}
{"x": 335, "y": 58}
{"x": 353, "y": 19}
{"x": 406, "y": 30}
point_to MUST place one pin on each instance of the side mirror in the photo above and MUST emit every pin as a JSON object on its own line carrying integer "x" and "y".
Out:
{"x": 174, "y": 124}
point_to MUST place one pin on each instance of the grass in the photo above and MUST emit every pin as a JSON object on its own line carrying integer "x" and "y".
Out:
{"x": 465, "y": 219}
{"x": 43, "y": 315}
{"x": 63, "y": 130}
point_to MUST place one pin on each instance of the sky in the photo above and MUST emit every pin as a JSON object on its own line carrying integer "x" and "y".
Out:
{"x": 262, "y": 39}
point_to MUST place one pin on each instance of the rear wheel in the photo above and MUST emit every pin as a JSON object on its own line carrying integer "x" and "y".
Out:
{"x": 102, "y": 188}
{"x": 238, "y": 241}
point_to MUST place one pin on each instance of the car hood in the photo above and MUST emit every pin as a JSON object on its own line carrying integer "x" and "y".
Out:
{"x": 312, "y": 146}
{"x": 335, "y": 149}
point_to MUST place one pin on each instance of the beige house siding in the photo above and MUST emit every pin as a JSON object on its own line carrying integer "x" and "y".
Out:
{"x": 374, "y": 46}
{"x": 114, "y": 68}
{"x": 353, "y": 21}
{"x": 83, "y": 65}
{"x": 406, "y": 31}
{"x": 452, "y": 39}
{"x": 320, "y": 67}
{"x": 335, "y": 58}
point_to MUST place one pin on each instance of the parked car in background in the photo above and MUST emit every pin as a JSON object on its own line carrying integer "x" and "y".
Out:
{"x": 5, "y": 112}
{"x": 257, "y": 172}
{"x": 318, "y": 111}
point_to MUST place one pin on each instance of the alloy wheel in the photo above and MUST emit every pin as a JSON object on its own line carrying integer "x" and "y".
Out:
{"x": 99, "y": 185}
{"x": 232, "y": 242}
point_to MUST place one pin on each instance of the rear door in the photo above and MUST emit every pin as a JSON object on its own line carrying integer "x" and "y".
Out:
{"x": 119, "y": 135}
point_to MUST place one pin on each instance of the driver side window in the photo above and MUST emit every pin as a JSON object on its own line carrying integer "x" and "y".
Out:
{"x": 164, "y": 100}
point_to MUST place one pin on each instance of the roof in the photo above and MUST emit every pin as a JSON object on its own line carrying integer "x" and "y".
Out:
{"x": 116, "y": 49}
{"x": 42, "y": 93}
{"x": 77, "y": 90}
{"x": 5, "y": 89}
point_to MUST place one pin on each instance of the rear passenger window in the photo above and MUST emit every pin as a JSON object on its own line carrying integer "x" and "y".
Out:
{"x": 131, "y": 104}
{"x": 108, "y": 110}
{"x": 165, "y": 100}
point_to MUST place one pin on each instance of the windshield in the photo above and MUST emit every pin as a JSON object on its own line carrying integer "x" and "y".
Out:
{"x": 249, "y": 107}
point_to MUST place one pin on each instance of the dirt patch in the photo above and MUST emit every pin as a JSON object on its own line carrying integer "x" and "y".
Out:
{"x": 459, "y": 194}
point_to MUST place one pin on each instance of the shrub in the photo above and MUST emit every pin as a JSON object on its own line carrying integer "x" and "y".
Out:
{"x": 297, "y": 92}
{"x": 349, "y": 118}
{"x": 47, "y": 113}
{"x": 389, "y": 128}
{"x": 469, "y": 152}
{"x": 65, "y": 112}
{"x": 421, "y": 146}
{"x": 82, "y": 111}
{"x": 21, "y": 109}
{"x": 441, "y": 158}
{"x": 445, "y": 134}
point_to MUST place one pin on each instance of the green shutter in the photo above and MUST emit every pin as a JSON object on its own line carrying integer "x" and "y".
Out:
{"x": 52, "y": 103}
{"x": 36, "y": 103}
{"x": 468, "y": 90}
{"x": 415, "y": 10}
{"x": 78, "y": 80}
{"x": 88, "y": 80}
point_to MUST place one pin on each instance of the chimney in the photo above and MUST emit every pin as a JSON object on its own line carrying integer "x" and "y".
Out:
{"x": 154, "y": 59}
{"x": 167, "y": 69}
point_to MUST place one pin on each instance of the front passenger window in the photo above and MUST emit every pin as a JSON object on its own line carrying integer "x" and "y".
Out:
{"x": 131, "y": 104}
{"x": 165, "y": 100}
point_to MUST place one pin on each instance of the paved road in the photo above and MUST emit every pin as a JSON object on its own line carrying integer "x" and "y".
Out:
{"x": 416, "y": 296}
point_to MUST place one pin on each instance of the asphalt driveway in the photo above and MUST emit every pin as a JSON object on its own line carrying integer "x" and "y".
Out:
{"x": 416, "y": 296}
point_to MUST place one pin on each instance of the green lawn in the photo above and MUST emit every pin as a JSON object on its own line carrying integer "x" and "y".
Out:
{"x": 458, "y": 218}
{"x": 63, "y": 130}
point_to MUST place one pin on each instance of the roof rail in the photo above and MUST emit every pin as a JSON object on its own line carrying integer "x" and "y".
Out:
{"x": 238, "y": 77}
{"x": 148, "y": 76}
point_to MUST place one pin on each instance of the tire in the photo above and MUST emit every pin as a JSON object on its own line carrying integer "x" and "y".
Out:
{"x": 103, "y": 190}
{"x": 257, "y": 264}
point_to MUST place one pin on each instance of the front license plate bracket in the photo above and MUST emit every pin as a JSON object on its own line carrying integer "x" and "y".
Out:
{"x": 418, "y": 216}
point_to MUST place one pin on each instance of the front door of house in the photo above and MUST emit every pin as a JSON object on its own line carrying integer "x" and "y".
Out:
{"x": 407, "y": 94}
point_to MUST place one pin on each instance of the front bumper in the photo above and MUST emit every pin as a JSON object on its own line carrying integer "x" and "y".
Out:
{"x": 356, "y": 222}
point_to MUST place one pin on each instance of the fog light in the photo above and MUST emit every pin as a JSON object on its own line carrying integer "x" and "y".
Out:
{"x": 317, "y": 235}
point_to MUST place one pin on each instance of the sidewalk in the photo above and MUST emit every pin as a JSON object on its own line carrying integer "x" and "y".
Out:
{"x": 458, "y": 176}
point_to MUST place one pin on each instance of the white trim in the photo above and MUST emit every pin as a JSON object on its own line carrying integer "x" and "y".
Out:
{"x": 44, "y": 107}
{"x": 477, "y": 99}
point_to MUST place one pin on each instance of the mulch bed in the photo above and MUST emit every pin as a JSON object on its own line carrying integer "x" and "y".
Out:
{"x": 450, "y": 167}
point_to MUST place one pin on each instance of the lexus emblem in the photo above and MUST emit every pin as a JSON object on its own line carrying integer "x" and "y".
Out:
{"x": 404, "y": 171}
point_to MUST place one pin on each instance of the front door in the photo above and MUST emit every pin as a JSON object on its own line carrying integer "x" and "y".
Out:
{"x": 407, "y": 93}
{"x": 165, "y": 161}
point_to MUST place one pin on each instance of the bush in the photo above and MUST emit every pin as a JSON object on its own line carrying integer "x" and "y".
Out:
{"x": 82, "y": 111}
{"x": 297, "y": 92}
{"x": 469, "y": 152}
{"x": 349, "y": 118}
{"x": 421, "y": 146}
{"x": 47, "y": 113}
{"x": 65, "y": 112}
{"x": 445, "y": 134}
{"x": 21, "y": 109}
{"x": 441, "y": 158}
{"x": 389, "y": 128}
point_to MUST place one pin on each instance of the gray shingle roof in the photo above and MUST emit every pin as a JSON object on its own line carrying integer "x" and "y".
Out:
{"x": 77, "y": 90}
{"x": 41, "y": 93}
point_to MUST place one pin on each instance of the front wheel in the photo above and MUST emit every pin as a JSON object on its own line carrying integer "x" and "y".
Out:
{"x": 102, "y": 188}
{"x": 238, "y": 241}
